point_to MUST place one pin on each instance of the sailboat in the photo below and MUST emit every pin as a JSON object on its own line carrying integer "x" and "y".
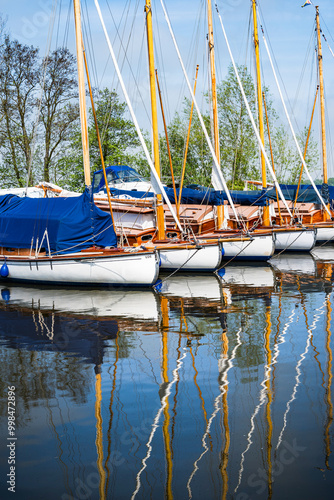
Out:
{"x": 176, "y": 253}
{"x": 69, "y": 240}
{"x": 320, "y": 218}
{"x": 271, "y": 238}
{"x": 137, "y": 223}
{"x": 287, "y": 237}
{"x": 236, "y": 244}
{"x": 310, "y": 216}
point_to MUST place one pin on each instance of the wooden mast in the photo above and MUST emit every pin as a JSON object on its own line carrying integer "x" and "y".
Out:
{"x": 213, "y": 83}
{"x": 266, "y": 216}
{"x": 82, "y": 93}
{"x": 220, "y": 208}
{"x": 322, "y": 107}
{"x": 160, "y": 209}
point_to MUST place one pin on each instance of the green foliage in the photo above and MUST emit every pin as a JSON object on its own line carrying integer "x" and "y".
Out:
{"x": 239, "y": 150}
{"x": 287, "y": 159}
{"x": 118, "y": 139}
{"x": 238, "y": 147}
{"x": 198, "y": 166}
{"x": 56, "y": 143}
{"x": 118, "y": 134}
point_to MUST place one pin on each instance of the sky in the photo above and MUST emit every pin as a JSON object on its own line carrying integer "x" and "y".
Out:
{"x": 289, "y": 29}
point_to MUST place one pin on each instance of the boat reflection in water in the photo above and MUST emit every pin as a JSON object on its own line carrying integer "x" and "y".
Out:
{"x": 325, "y": 253}
{"x": 298, "y": 263}
{"x": 94, "y": 303}
{"x": 195, "y": 391}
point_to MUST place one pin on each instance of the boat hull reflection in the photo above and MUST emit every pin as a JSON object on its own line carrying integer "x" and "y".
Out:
{"x": 97, "y": 303}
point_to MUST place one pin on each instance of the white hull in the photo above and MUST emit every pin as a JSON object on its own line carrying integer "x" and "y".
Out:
{"x": 204, "y": 258}
{"x": 295, "y": 240}
{"x": 129, "y": 269}
{"x": 259, "y": 248}
{"x": 97, "y": 303}
{"x": 325, "y": 234}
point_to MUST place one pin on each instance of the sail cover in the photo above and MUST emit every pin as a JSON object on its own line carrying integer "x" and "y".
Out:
{"x": 72, "y": 224}
{"x": 306, "y": 193}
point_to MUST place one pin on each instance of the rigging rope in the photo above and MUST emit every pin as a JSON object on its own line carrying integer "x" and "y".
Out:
{"x": 218, "y": 172}
{"x": 291, "y": 128}
{"x": 251, "y": 116}
{"x": 140, "y": 135}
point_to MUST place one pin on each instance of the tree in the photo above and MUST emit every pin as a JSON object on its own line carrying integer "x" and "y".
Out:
{"x": 287, "y": 159}
{"x": 238, "y": 147}
{"x": 118, "y": 134}
{"x": 38, "y": 112}
{"x": 59, "y": 113}
{"x": 238, "y": 144}
{"x": 19, "y": 76}
{"x": 199, "y": 161}
{"x": 239, "y": 150}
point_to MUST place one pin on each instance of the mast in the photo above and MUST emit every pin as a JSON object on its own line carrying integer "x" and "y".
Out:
{"x": 82, "y": 94}
{"x": 322, "y": 105}
{"x": 266, "y": 217}
{"x": 160, "y": 208}
{"x": 220, "y": 208}
{"x": 213, "y": 83}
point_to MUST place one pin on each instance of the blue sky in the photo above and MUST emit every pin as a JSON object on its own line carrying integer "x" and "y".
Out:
{"x": 289, "y": 29}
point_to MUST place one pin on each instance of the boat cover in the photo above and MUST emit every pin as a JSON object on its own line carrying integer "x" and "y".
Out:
{"x": 207, "y": 196}
{"x": 306, "y": 193}
{"x": 72, "y": 223}
{"x": 200, "y": 196}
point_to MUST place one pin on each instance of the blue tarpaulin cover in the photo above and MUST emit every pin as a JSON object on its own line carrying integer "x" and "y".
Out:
{"x": 70, "y": 222}
{"x": 202, "y": 195}
{"x": 306, "y": 193}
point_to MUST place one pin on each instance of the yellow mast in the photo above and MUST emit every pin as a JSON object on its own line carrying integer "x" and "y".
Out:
{"x": 322, "y": 107}
{"x": 82, "y": 93}
{"x": 266, "y": 216}
{"x": 160, "y": 208}
{"x": 220, "y": 208}
{"x": 213, "y": 83}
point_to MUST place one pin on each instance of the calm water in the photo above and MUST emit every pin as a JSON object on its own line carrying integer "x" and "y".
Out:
{"x": 214, "y": 388}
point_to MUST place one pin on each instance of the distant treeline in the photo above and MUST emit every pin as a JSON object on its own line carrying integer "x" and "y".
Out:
{"x": 40, "y": 136}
